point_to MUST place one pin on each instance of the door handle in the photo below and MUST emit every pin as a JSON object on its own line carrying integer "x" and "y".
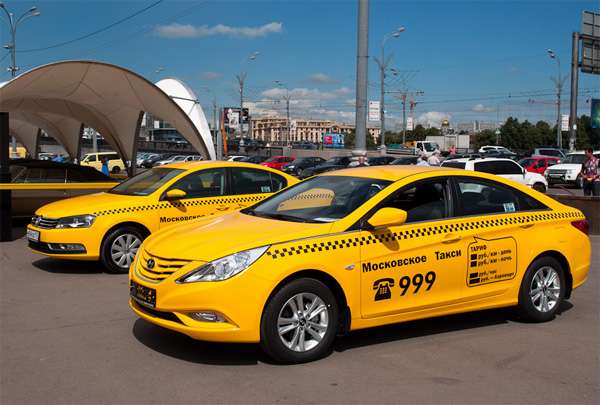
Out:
{"x": 451, "y": 237}
{"x": 525, "y": 226}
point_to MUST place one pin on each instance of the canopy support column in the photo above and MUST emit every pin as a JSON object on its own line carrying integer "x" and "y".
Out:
{"x": 5, "y": 195}
{"x": 77, "y": 157}
{"x": 132, "y": 169}
{"x": 36, "y": 148}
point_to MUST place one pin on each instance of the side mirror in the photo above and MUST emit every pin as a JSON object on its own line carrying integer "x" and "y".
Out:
{"x": 386, "y": 217}
{"x": 175, "y": 194}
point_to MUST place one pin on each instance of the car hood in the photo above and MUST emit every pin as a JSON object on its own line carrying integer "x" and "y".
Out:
{"x": 566, "y": 166}
{"x": 88, "y": 204}
{"x": 210, "y": 239}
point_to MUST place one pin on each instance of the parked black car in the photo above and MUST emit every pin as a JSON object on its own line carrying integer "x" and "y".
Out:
{"x": 380, "y": 160}
{"x": 296, "y": 167}
{"x": 406, "y": 160}
{"x": 334, "y": 163}
{"x": 253, "y": 159}
{"x": 25, "y": 202}
{"x": 149, "y": 162}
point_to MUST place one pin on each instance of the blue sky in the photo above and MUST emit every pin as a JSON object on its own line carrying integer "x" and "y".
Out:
{"x": 471, "y": 59}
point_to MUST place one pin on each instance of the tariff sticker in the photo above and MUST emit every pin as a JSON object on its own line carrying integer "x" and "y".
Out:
{"x": 491, "y": 261}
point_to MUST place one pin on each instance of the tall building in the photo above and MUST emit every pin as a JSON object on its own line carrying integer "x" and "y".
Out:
{"x": 274, "y": 129}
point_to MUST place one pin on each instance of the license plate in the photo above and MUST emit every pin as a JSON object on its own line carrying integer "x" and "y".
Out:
{"x": 554, "y": 175}
{"x": 142, "y": 294}
{"x": 33, "y": 236}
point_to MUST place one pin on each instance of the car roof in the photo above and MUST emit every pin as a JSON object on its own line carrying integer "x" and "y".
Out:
{"x": 207, "y": 164}
{"x": 476, "y": 160}
{"x": 390, "y": 172}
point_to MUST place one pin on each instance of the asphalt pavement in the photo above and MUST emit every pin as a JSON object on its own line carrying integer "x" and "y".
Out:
{"x": 68, "y": 337}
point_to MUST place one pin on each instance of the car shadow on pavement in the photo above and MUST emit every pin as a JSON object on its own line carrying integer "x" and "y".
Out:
{"x": 432, "y": 326}
{"x": 179, "y": 346}
{"x": 58, "y": 266}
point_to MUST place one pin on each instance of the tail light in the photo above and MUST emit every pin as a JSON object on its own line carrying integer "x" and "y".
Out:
{"x": 583, "y": 225}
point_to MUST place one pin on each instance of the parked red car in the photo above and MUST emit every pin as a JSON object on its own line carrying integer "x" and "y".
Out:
{"x": 277, "y": 162}
{"x": 538, "y": 164}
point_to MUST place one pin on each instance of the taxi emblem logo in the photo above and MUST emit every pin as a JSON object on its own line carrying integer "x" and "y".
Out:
{"x": 150, "y": 263}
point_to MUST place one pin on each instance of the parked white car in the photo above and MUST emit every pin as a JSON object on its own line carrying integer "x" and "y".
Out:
{"x": 507, "y": 168}
{"x": 567, "y": 171}
{"x": 493, "y": 148}
{"x": 178, "y": 159}
{"x": 235, "y": 158}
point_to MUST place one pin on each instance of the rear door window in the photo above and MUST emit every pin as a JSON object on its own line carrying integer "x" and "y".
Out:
{"x": 251, "y": 181}
{"x": 479, "y": 197}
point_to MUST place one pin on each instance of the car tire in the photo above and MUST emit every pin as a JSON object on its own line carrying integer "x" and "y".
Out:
{"x": 542, "y": 290}
{"x": 119, "y": 248}
{"x": 539, "y": 187}
{"x": 116, "y": 170}
{"x": 291, "y": 338}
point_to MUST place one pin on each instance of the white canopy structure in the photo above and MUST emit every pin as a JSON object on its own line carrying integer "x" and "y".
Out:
{"x": 61, "y": 97}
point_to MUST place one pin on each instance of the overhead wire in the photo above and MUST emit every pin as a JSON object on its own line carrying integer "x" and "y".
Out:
{"x": 96, "y": 32}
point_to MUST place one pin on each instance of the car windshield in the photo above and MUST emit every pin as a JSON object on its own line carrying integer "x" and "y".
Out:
{"x": 273, "y": 159}
{"x": 335, "y": 160}
{"x": 430, "y": 147}
{"x": 574, "y": 159}
{"x": 320, "y": 199}
{"x": 526, "y": 162}
{"x": 146, "y": 183}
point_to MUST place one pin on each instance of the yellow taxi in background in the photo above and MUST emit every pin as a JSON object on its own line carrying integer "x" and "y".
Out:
{"x": 358, "y": 248}
{"x": 112, "y": 225}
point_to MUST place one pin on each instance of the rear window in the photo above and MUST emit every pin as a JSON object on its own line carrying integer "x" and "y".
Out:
{"x": 454, "y": 165}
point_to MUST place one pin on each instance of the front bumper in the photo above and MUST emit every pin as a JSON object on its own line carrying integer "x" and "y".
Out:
{"x": 561, "y": 178}
{"x": 50, "y": 240}
{"x": 240, "y": 300}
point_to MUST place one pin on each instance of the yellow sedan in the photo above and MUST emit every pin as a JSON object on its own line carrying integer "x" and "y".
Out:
{"x": 358, "y": 248}
{"x": 112, "y": 225}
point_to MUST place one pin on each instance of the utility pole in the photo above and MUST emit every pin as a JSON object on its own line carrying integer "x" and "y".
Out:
{"x": 574, "y": 91}
{"x": 559, "y": 82}
{"x": 383, "y": 63}
{"x": 241, "y": 78}
{"x": 12, "y": 46}
{"x": 403, "y": 118}
{"x": 362, "y": 59}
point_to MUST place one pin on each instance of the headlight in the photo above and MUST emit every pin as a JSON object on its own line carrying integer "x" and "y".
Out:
{"x": 77, "y": 221}
{"x": 225, "y": 267}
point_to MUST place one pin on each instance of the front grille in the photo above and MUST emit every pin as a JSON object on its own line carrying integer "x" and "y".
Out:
{"x": 46, "y": 223}
{"x": 557, "y": 171}
{"x": 162, "y": 268}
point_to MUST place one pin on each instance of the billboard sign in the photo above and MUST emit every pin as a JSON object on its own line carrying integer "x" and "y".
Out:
{"x": 590, "y": 43}
{"x": 564, "y": 122}
{"x": 595, "y": 114}
{"x": 333, "y": 140}
{"x": 374, "y": 110}
{"x": 231, "y": 119}
{"x": 409, "y": 124}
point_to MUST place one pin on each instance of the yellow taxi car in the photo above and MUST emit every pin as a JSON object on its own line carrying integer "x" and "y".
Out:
{"x": 358, "y": 248}
{"x": 112, "y": 225}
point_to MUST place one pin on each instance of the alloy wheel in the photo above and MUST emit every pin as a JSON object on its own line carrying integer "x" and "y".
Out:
{"x": 545, "y": 289}
{"x": 123, "y": 249}
{"x": 303, "y": 322}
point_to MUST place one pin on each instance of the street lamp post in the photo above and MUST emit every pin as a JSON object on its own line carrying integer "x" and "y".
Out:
{"x": 559, "y": 85}
{"x": 241, "y": 78}
{"x": 382, "y": 64}
{"x": 12, "y": 46}
{"x": 286, "y": 141}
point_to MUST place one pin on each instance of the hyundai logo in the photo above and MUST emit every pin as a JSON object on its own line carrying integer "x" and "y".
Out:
{"x": 150, "y": 263}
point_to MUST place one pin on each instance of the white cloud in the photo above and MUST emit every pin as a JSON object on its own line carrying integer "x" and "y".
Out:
{"x": 302, "y": 93}
{"x": 211, "y": 75}
{"x": 433, "y": 118}
{"x": 321, "y": 78}
{"x": 176, "y": 30}
{"x": 481, "y": 108}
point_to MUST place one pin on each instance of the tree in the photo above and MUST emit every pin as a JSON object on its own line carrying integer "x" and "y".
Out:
{"x": 485, "y": 137}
